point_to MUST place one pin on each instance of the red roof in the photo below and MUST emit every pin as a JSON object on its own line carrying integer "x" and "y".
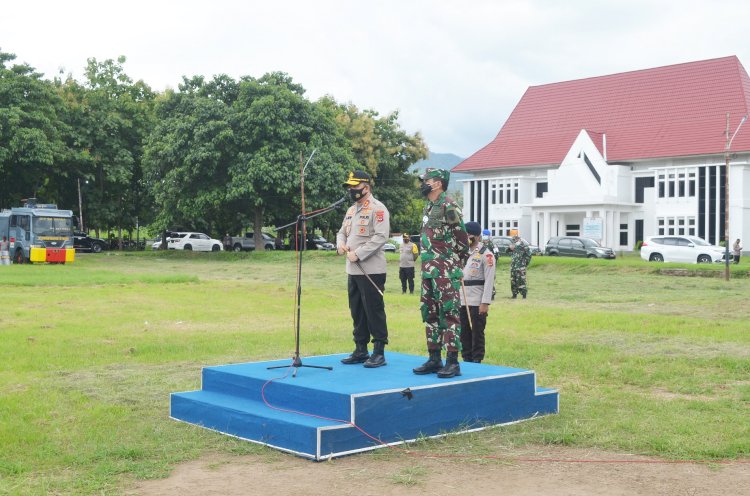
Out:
{"x": 672, "y": 111}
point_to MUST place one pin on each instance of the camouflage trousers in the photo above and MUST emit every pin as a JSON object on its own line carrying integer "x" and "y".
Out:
{"x": 518, "y": 281}
{"x": 441, "y": 306}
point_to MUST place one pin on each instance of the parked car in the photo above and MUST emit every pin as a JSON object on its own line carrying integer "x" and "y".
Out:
{"x": 577, "y": 246}
{"x": 686, "y": 249}
{"x": 503, "y": 242}
{"x": 247, "y": 242}
{"x": 319, "y": 243}
{"x": 390, "y": 247}
{"x": 193, "y": 241}
{"x": 156, "y": 243}
{"x": 84, "y": 242}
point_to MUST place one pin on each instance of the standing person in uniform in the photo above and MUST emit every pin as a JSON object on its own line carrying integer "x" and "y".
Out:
{"x": 520, "y": 256}
{"x": 408, "y": 255}
{"x": 445, "y": 248}
{"x": 737, "y": 251}
{"x": 487, "y": 242}
{"x": 4, "y": 252}
{"x": 361, "y": 238}
{"x": 479, "y": 286}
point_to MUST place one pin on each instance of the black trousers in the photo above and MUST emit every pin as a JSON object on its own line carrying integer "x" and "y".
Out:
{"x": 472, "y": 336}
{"x": 406, "y": 274}
{"x": 367, "y": 308}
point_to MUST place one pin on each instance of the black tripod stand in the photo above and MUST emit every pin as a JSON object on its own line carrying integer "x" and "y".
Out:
{"x": 300, "y": 223}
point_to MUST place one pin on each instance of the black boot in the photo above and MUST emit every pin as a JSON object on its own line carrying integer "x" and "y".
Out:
{"x": 377, "y": 359}
{"x": 359, "y": 355}
{"x": 451, "y": 368}
{"x": 432, "y": 365}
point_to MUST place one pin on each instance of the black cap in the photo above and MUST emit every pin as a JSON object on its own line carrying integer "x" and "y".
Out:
{"x": 357, "y": 177}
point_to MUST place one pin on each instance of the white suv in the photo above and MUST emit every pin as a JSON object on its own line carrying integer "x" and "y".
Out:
{"x": 193, "y": 241}
{"x": 685, "y": 249}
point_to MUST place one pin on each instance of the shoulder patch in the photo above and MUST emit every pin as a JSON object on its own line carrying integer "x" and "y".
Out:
{"x": 490, "y": 259}
{"x": 379, "y": 215}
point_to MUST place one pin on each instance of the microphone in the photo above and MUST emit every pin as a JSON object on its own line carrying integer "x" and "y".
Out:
{"x": 339, "y": 202}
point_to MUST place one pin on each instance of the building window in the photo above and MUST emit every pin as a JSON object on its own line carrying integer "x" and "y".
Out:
{"x": 679, "y": 226}
{"x": 503, "y": 227}
{"x": 507, "y": 192}
{"x": 541, "y": 188}
{"x": 641, "y": 183}
{"x": 623, "y": 235}
{"x": 572, "y": 229}
{"x": 681, "y": 184}
{"x": 691, "y": 184}
{"x": 661, "y": 178}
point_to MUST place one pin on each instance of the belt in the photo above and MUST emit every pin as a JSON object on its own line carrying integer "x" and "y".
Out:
{"x": 474, "y": 282}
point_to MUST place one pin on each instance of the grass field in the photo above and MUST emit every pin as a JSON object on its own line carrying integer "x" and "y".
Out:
{"x": 89, "y": 352}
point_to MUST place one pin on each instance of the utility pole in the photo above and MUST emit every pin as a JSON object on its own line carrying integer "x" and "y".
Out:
{"x": 80, "y": 207}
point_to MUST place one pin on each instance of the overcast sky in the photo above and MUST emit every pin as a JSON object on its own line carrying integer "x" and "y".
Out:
{"x": 453, "y": 69}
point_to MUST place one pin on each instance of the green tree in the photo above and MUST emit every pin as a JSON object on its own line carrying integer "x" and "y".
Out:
{"x": 187, "y": 158}
{"x": 276, "y": 127}
{"x": 31, "y": 142}
{"x": 114, "y": 115}
{"x": 386, "y": 151}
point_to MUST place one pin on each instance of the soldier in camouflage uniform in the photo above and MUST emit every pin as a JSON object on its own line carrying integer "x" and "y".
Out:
{"x": 445, "y": 249}
{"x": 520, "y": 256}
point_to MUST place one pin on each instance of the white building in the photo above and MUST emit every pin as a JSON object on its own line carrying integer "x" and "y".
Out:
{"x": 626, "y": 155}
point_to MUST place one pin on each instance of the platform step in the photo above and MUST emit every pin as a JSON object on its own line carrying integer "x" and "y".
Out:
{"x": 389, "y": 403}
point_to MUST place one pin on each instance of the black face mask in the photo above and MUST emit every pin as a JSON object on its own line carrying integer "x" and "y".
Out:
{"x": 425, "y": 189}
{"x": 356, "y": 194}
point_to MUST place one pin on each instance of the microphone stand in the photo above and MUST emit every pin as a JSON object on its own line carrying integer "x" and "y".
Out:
{"x": 301, "y": 222}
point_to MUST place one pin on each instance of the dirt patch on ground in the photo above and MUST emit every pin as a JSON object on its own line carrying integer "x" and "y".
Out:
{"x": 522, "y": 473}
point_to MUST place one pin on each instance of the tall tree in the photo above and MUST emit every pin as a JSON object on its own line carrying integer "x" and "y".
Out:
{"x": 187, "y": 158}
{"x": 116, "y": 115}
{"x": 276, "y": 126}
{"x": 30, "y": 134}
{"x": 385, "y": 150}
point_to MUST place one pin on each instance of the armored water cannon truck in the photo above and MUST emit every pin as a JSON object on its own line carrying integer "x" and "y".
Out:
{"x": 38, "y": 233}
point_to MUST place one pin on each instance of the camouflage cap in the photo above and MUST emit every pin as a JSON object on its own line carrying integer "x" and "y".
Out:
{"x": 436, "y": 173}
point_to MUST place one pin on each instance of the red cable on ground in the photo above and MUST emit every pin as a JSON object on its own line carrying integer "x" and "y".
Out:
{"x": 482, "y": 457}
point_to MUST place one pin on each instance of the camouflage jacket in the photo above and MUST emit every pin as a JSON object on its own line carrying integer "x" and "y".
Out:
{"x": 520, "y": 256}
{"x": 445, "y": 244}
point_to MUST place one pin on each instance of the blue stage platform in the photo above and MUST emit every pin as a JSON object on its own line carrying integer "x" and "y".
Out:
{"x": 390, "y": 403}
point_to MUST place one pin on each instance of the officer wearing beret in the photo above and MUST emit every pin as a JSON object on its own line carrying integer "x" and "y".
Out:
{"x": 479, "y": 288}
{"x": 445, "y": 248}
{"x": 363, "y": 233}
